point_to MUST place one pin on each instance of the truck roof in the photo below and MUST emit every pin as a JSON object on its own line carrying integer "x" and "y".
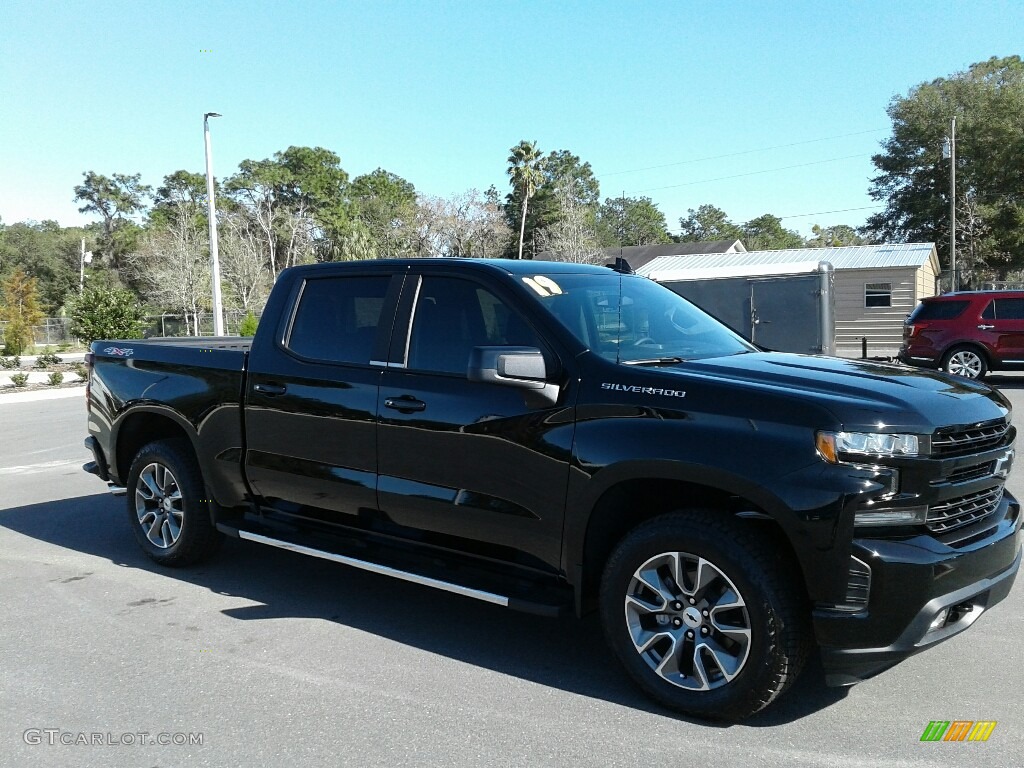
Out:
{"x": 508, "y": 266}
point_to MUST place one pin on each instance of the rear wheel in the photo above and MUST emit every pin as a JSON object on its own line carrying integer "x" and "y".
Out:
{"x": 705, "y": 618}
{"x": 965, "y": 361}
{"x": 167, "y": 505}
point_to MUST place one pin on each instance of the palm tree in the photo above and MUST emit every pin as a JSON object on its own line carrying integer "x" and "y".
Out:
{"x": 524, "y": 171}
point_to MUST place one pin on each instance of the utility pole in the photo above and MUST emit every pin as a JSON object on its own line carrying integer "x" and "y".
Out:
{"x": 949, "y": 150}
{"x": 218, "y": 309}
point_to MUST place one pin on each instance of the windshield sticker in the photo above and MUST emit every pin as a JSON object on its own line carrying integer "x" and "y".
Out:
{"x": 543, "y": 286}
{"x": 120, "y": 351}
{"x": 643, "y": 390}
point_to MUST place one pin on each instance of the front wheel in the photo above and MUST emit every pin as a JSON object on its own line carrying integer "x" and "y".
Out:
{"x": 167, "y": 505}
{"x": 705, "y": 618}
{"x": 965, "y": 361}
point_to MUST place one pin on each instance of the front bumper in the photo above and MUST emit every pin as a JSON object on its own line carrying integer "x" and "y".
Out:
{"x": 912, "y": 582}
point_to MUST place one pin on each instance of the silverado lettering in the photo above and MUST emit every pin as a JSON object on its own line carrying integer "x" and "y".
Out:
{"x": 643, "y": 390}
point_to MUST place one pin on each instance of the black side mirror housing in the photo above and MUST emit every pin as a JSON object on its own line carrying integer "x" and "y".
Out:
{"x": 519, "y": 367}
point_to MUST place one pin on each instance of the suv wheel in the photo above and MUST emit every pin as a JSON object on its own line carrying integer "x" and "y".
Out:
{"x": 167, "y": 505}
{"x": 965, "y": 361}
{"x": 704, "y": 617}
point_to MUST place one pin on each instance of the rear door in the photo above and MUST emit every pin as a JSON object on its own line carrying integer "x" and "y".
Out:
{"x": 311, "y": 404}
{"x": 471, "y": 465}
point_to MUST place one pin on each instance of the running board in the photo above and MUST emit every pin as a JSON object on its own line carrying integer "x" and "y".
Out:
{"x": 386, "y": 570}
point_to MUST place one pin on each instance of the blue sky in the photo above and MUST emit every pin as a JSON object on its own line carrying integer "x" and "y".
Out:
{"x": 685, "y": 102}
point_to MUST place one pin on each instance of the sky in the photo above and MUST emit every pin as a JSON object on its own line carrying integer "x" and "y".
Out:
{"x": 755, "y": 107}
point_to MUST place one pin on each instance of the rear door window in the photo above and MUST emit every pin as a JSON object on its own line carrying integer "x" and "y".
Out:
{"x": 337, "y": 318}
{"x": 939, "y": 310}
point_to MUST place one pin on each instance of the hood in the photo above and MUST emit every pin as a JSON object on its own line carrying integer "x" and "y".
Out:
{"x": 861, "y": 395}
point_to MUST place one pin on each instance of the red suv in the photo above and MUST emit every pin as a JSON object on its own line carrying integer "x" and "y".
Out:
{"x": 967, "y": 333}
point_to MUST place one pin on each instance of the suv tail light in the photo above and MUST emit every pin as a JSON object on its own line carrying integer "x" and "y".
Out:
{"x": 910, "y": 331}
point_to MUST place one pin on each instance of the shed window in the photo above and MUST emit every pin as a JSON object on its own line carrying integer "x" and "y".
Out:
{"x": 878, "y": 294}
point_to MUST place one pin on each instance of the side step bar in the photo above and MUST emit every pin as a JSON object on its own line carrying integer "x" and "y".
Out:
{"x": 386, "y": 570}
{"x": 487, "y": 597}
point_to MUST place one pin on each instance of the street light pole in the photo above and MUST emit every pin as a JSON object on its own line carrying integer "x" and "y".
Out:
{"x": 218, "y": 309}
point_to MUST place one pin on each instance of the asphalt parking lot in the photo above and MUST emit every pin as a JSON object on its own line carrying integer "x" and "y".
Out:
{"x": 271, "y": 658}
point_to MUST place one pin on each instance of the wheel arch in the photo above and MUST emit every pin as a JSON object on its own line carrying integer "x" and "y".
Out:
{"x": 976, "y": 346}
{"x": 144, "y": 425}
{"x": 629, "y": 502}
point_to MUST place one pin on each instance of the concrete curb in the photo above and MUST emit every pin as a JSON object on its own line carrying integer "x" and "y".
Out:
{"x": 41, "y": 394}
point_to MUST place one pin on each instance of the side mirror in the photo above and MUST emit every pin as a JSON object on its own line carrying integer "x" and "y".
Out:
{"x": 519, "y": 367}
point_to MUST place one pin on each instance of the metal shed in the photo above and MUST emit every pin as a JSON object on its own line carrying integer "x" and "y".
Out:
{"x": 875, "y": 287}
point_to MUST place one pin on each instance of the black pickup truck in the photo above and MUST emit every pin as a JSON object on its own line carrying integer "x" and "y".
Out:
{"x": 556, "y": 437}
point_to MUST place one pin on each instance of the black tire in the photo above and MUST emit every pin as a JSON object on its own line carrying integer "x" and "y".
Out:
{"x": 774, "y": 610}
{"x": 966, "y": 361}
{"x": 167, "y": 505}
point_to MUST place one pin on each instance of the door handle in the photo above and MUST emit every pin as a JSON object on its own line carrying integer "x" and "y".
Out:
{"x": 270, "y": 389}
{"x": 985, "y": 327}
{"x": 406, "y": 404}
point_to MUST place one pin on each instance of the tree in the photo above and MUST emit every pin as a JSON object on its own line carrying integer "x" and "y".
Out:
{"x": 173, "y": 266}
{"x": 47, "y": 252}
{"x": 835, "y": 236}
{"x": 386, "y": 204}
{"x": 106, "y": 312}
{"x": 297, "y": 199}
{"x": 707, "y": 223}
{"x": 244, "y": 269}
{"x": 766, "y": 233}
{"x": 631, "y": 221}
{"x": 115, "y": 200}
{"x": 19, "y": 294}
{"x": 525, "y": 174}
{"x": 914, "y": 179}
{"x": 573, "y": 236}
{"x": 181, "y": 188}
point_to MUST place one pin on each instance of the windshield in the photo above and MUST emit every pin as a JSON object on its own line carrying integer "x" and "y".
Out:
{"x": 625, "y": 318}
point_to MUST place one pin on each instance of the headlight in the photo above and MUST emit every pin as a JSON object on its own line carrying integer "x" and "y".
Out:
{"x": 833, "y": 444}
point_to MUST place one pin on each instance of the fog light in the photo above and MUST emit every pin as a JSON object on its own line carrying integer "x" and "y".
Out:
{"x": 940, "y": 620}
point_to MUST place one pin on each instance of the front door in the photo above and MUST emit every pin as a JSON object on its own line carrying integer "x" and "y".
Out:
{"x": 472, "y": 465}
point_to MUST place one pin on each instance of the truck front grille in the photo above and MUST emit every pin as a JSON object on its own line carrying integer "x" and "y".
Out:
{"x": 963, "y": 510}
{"x": 973, "y": 472}
{"x": 960, "y": 442}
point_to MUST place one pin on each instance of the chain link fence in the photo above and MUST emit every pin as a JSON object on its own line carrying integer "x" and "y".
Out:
{"x": 56, "y": 331}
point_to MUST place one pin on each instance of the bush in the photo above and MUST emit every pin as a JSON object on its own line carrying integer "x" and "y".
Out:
{"x": 10, "y": 363}
{"x": 106, "y": 313}
{"x": 248, "y": 325}
{"x": 80, "y": 370}
{"x": 47, "y": 359}
{"x": 19, "y": 379}
{"x": 56, "y": 378}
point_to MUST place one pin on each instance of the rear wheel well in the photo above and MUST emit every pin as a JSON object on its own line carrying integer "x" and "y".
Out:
{"x": 140, "y": 429}
{"x": 971, "y": 345}
{"x": 625, "y": 506}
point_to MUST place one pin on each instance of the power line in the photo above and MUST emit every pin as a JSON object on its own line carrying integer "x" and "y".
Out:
{"x": 802, "y": 215}
{"x": 744, "y": 152}
{"x": 754, "y": 173}
{"x": 823, "y": 213}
